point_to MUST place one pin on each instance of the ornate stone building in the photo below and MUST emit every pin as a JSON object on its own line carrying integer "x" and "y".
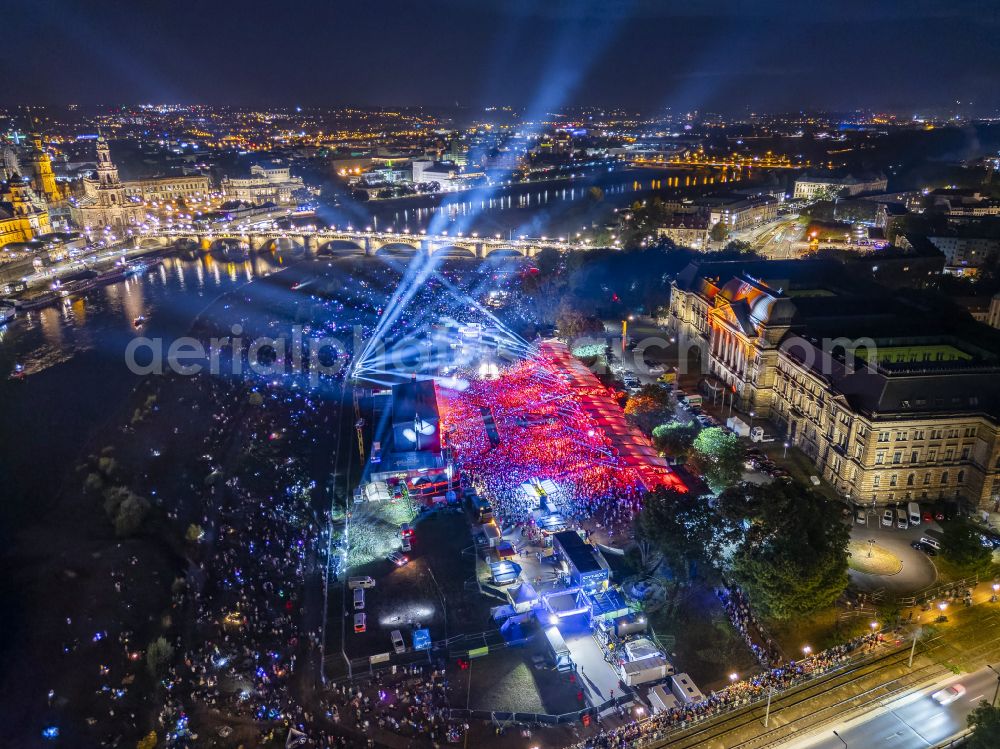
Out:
{"x": 22, "y": 216}
{"x": 105, "y": 202}
{"x": 888, "y": 402}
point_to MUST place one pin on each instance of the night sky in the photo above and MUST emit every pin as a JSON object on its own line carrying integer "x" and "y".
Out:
{"x": 722, "y": 55}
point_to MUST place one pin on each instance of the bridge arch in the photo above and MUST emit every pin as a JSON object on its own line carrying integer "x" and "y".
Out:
{"x": 284, "y": 244}
{"x": 397, "y": 249}
{"x": 503, "y": 252}
{"x": 339, "y": 247}
{"x": 454, "y": 250}
{"x": 228, "y": 248}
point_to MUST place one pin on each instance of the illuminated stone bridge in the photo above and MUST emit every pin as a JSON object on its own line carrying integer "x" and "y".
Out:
{"x": 336, "y": 242}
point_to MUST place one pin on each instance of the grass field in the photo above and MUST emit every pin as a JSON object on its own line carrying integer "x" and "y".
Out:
{"x": 506, "y": 679}
{"x": 705, "y": 644}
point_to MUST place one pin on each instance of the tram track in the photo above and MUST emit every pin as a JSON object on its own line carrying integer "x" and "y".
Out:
{"x": 711, "y": 733}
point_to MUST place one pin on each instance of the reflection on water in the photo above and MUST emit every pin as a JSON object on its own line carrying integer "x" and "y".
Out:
{"x": 169, "y": 296}
{"x": 523, "y": 209}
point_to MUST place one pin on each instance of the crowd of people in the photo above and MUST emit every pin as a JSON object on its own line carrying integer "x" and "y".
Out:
{"x": 640, "y": 733}
{"x": 764, "y": 649}
{"x": 412, "y": 702}
{"x": 245, "y": 631}
{"x": 542, "y": 434}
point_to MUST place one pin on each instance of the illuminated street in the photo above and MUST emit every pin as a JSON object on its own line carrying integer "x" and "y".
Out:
{"x": 912, "y": 722}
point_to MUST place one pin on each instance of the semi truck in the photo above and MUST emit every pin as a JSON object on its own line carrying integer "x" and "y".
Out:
{"x": 644, "y": 670}
{"x": 559, "y": 649}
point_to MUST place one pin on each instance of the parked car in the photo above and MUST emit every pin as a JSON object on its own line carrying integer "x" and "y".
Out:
{"x": 398, "y": 645}
{"x": 360, "y": 623}
{"x": 921, "y": 546}
{"x": 398, "y": 559}
{"x": 887, "y": 518}
{"x": 861, "y": 515}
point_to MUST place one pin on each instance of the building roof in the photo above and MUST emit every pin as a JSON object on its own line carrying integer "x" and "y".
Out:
{"x": 686, "y": 221}
{"x": 918, "y": 387}
{"x": 581, "y": 554}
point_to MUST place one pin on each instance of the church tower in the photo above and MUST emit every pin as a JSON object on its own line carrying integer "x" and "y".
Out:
{"x": 43, "y": 178}
{"x": 106, "y": 203}
{"x": 110, "y": 191}
{"x": 20, "y": 217}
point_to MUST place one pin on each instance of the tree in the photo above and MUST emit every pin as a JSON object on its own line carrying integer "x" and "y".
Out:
{"x": 572, "y": 323}
{"x": 692, "y": 537}
{"x": 718, "y": 456}
{"x": 595, "y": 194}
{"x": 719, "y": 232}
{"x": 548, "y": 261}
{"x": 648, "y": 407}
{"x": 792, "y": 559}
{"x": 158, "y": 655}
{"x": 131, "y": 514}
{"x": 738, "y": 247}
{"x": 675, "y": 438}
{"x": 148, "y": 741}
{"x": 113, "y": 498}
{"x": 107, "y": 465}
{"x": 985, "y": 724}
{"x": 962, "y": 546}
{"x": 94, "y": 483}
{"x": 194, "y": 533}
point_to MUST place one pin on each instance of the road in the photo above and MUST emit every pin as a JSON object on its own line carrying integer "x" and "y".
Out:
{"x": 918, "y": 569}
{"x": 912, "y": 722}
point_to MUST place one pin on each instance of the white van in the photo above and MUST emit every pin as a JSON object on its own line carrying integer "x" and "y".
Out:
{"x": 360, "y": 582}
{"x": 397, "y": 641}
{"x": 932, "y": 542}
{"x": 359, "y": 599}
{"x": 901, "y": 519}
{"x": 913, "y": 510}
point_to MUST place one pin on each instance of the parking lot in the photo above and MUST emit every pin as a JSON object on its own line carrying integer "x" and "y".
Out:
{"x": 917, "y": 570}
{"x": 427, "y": 592}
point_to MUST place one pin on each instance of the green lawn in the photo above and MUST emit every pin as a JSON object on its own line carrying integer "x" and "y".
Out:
{"x": 819, "y": 631}
{"x": 706, "y": 645}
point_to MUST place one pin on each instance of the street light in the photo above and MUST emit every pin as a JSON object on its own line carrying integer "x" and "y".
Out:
{"x": 997, "y": 690}
{"x": 807, "y": 650}
{"x": 785, "y": 453}
{"x": 996, "y": 587}
{"x": 733, "y": 677}
{"x": 840, "y": 737}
